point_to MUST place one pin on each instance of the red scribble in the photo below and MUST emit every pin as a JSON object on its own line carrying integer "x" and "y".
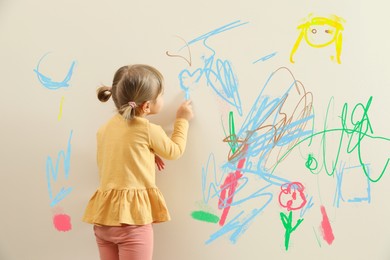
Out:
{"x": 292, "y": 202}
{"x": 230, "y": 184}
{"x": 62, "y": 222}
{"x": 326, "y": 228}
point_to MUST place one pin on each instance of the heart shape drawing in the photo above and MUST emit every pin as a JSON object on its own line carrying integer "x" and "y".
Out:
{"x": 188, "y": 79}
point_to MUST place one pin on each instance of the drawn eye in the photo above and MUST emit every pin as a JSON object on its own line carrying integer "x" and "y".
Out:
{"x": 328, "y": 31}
{"x": 313, "y": 31}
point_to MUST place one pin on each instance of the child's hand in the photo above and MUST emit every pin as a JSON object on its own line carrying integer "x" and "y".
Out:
{"x": 185, "y": 110}
{"x": 159, "y": 162}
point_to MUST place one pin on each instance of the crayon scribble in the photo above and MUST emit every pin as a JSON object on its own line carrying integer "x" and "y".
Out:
{"x": 355, "y": 130}
{"x": 61, "y": 105}
{"x": 275, "y": 127}
{"x": 289, "y": 227}
{"x": 62, "y": 222}
{"x": 53, "y": 171}
{"x": 188, "y": 60}
{"x": 291, "y": 197}
{"x": 49, "y": 83}
{"x": 266, "y": 132}
{"x": 230, "y": 184}
{"x": 267, "y": 57}
{"x": 205, "y": 216}
{"x": 341, "y": 196}
{"x": 218, "y": 73}
{"x": 326, "y": 228}
{"x": 319, "y": 32}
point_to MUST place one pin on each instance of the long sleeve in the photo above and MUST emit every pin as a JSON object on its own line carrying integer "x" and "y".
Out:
{"x": 127, "y": 193}
{"x": 173, "y": 147}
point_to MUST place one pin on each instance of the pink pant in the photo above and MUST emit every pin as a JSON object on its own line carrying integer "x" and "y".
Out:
{"x": 125, "y": 243}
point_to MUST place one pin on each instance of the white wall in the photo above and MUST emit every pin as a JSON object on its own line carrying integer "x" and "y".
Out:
{"x": 100, "y": 36}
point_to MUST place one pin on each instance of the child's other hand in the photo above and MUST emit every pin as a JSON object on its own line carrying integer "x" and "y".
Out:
{"x": 185, "y": 110}
{"x": 159, "y": 162}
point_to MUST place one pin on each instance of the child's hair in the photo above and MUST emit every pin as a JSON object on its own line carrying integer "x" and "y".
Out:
{"x": 132, "y": 86}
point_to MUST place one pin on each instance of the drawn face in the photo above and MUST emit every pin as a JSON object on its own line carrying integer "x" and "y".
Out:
{"x": 319, "y": 32}
{"x": 320, "y": 35}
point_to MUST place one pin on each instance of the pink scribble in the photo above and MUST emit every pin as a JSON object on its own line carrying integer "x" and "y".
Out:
{"x": 326, "y": 228}
{"x": 62, "y": 222}
{"x": 288, "y": 196}
{"x": 231, "y": 183}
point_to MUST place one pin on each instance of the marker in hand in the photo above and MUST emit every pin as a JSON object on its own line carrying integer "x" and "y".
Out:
{"x": 187, "y": 94}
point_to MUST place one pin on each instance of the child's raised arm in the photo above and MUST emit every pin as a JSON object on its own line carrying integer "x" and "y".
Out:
{"x": 185, "y": 110}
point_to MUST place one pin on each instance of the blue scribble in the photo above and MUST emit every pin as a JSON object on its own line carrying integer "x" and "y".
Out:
{"x": 308, "y": 206}
{"x": 186, "y": 75}
{"x": 268, "y": 134}
{"x": 267, "y": 57}
{"x": 266, "y": 128}
{"x": 241, "y": 225}
{"x": 339, "y": 180}
{"x": 52, "y": 173}
{"x": 212, "y": 189}
{"x": 48, "y": 83}
{"x": 221, "y": 29}
{"x": 218, "y": 73}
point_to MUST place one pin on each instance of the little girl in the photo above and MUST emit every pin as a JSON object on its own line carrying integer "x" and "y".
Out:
{"x": 128, "y": 201}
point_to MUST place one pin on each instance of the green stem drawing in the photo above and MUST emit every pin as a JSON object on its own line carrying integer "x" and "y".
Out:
{"x": 287, "y": 223}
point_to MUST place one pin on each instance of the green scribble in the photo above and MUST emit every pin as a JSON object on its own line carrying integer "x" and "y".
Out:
{"x": 231, "y": 138}
{"x": 205, "y": 216}
{"x": 355, "y": 128}
{"x": 287, "y": 223}
{"x": 311, "y": 163}
{"x": 232, "y": 132}
{"x": 318, "y": 240}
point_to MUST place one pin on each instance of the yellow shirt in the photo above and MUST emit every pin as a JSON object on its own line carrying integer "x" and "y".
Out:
{"x": 125, "y": 156}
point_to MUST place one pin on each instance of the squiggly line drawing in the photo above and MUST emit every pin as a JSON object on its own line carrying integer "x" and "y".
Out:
{"x": 188, "y": 60}
{"x": 218, "y": 73}
{"x": 273, "y": 128}
{"x": 48, "y": 83}
{"x": 52, "y": 173}
{"x": 360, "y": 130}
{"x": 250, "y": 149}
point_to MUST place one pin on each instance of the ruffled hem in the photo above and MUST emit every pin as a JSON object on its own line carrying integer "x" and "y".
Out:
{"x": 129, "y": 206}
